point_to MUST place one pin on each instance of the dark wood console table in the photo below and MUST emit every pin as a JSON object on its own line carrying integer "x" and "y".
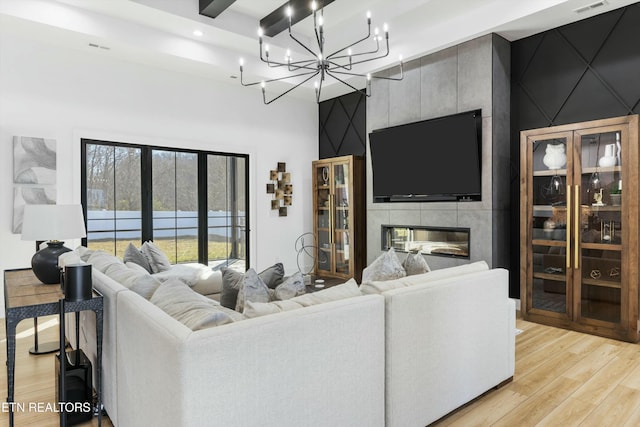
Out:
{"x": 26, "y": 297}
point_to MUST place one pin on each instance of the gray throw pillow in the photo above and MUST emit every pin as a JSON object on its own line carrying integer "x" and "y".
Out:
{"x": 232, "y": 282}
{"x": 386, "y": 267}
{"x": 133, "y": 254}
{"x": 273, "y": 275}
{"x": 415, "y": 264}
{"x": 253, "y": 289}
{"x": 291, "y": 287}
{"x": 157, "y": 259}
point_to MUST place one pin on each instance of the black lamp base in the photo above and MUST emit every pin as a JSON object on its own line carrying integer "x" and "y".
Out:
{"x": 45, "y": 262}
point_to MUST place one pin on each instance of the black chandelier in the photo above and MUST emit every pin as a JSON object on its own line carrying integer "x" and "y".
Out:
{"x": 322, "y": 65}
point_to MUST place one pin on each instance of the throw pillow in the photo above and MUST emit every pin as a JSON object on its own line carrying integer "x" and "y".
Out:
{"x": 272, "y": 276}
{"x": 232, "y": 282}
{"x": 100, "y": 260}
{"x": 291, "y": 287}
{"x": 133, "y": 254}
{"x": 136, "y": 267}
{"x": 415, "y": 264}
{"x": 253, "y": 289}
{"x": 386, "y": 267}
{"x": 256, "y": 309}
{"x": 193, "y": 310}
{"x": 157, "y": 259}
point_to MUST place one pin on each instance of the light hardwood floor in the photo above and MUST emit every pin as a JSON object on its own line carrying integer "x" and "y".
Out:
{"x": 34, "y": 376}
{"x": 563, "y": 378}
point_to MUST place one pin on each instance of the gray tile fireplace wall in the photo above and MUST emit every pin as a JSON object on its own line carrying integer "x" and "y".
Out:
{"x": 469, "y": 76}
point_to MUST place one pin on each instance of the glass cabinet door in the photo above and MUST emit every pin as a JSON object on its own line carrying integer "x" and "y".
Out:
{"x": 550, "y": 282}
{"x": 601, "y": 224}
{"x": 341, "y": 209}
{"x": 324, "y": 218}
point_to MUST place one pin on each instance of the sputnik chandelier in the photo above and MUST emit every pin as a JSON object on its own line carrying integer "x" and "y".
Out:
{"x": 322, "y": 65}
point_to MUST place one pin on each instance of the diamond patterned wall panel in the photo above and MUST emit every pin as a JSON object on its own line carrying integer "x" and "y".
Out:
{"x": 342, "y": 124}
{"x": 582, "y": 71}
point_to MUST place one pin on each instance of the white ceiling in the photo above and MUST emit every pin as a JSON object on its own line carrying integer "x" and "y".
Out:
{"x": 160, "y": 32}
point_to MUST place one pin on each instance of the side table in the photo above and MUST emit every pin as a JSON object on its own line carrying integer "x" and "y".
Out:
{"x": 26, "y": 297}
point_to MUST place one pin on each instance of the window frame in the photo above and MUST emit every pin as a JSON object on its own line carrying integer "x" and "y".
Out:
{"x": 146, "y": 185}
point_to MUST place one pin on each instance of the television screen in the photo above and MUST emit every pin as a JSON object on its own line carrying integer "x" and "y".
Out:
{"x": 432, "y": 160}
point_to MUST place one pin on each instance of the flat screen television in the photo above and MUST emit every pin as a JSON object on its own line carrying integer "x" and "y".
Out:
{"x": 428, "y": 161}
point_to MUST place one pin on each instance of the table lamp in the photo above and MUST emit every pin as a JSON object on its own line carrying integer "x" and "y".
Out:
{"x": 52, "y": 223}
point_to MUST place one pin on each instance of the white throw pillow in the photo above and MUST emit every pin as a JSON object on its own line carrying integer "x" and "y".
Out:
{"x": 253, "y": 289}
{"x": 157, "y": 259}
{"x": 101, "y": 260}
{"x": 386, "y": 267}
{"x": 291, "y": 287}
{"x": 346, "y": 290}
{"x": 255, "y": 309}
{"x": 415, "y": 264}
{"x": 190, "y": 308}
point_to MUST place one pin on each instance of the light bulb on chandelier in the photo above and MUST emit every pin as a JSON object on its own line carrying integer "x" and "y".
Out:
{"x": 321, "y": 65}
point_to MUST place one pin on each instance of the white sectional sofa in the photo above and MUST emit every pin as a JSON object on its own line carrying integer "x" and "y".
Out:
{"x": 449, "y": 338}
{"x": 422, "y": 347}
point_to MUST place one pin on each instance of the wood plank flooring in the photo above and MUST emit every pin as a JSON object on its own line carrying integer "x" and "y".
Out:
{"x": 34, "y": 376}
{"x": 562, "y": 378}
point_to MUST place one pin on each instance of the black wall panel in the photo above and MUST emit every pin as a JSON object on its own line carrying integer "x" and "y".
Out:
{"x": 582, "y": 71}
{"x": 343, "y": 126}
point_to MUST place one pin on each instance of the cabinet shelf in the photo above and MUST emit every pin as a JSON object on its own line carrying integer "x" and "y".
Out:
{"x": 601, "y": 283}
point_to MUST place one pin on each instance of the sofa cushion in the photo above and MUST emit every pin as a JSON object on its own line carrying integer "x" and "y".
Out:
{"x": 101, "y": 260}
{"x": 253, "y": 289}
{"x": 346, "y": 290}
{"x": 157, "y": 259}
{"x": 137, "y": 281}
{"x": 84, "y": 252}
{"x": 136, "y": 267}
{"x": 69, "y": 258}
{"x": 190, "y": 308}
{"x": 256, "y": 309}
{"x": 133, "y": 254}
{"x": 377, "y": 287}
{"x": 386, "y": 267}
{"x": 290, "y": 287}
{"x": 415, "y": 263}
{"x": 334, "y": 293}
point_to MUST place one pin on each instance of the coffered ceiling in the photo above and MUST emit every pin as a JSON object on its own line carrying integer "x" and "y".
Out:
{"x": 160, "y": 33}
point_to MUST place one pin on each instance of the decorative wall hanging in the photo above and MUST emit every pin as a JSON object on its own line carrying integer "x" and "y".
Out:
{"x": 34, "y": 175}
{"x": 281, "y": 189}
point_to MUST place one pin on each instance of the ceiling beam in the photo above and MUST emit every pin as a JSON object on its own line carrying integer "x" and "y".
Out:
{"x": 277, "y": 21}
{"x": 213, "y": 8}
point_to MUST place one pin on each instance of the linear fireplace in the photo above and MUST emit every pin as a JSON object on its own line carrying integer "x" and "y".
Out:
{"x": 438, "y": 241}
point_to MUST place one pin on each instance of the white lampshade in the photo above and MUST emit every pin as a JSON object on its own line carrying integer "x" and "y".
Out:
{"x": 53, "y": 222}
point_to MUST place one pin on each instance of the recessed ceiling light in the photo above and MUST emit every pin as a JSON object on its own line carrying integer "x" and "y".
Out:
{"x": 198, "y": 33}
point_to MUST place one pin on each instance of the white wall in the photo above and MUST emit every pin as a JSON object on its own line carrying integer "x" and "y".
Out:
{"x": 53, "y": 92}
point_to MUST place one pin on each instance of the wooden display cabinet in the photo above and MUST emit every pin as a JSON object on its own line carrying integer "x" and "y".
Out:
{"x": 579, "y": 226}
{"x": 339, "y": 217}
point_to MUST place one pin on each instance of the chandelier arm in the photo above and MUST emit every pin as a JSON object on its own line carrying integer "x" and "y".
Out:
{"x": 264, "y": 96}
{"x": 315, "y": 30}
{"x": 362, "y": 61}
{"x": 332, "y": 55}
{"x": 299, "y": 42}
{"x": 371, "y": 52}
{"x": 397, "y": 79}
{"x": 364, "y": 92}
{"x": 303, "y": 65}
{"x": 315, "y": 72}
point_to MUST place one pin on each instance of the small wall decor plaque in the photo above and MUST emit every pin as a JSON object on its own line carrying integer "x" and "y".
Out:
{"x": 280, "y": 188}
